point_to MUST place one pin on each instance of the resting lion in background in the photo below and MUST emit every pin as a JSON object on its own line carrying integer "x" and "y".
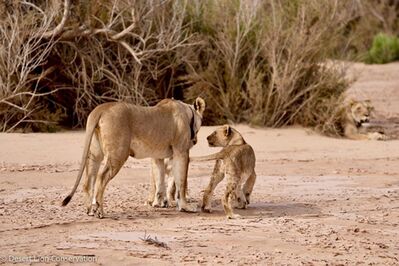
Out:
{"x": 237, "y": 161}
{"x": 355, "y": 115}
{"x": 117, "y": 130}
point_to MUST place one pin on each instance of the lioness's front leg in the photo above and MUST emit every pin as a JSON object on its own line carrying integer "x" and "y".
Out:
{"x": 376, "y": 136}
{"x": 180, "y": 169}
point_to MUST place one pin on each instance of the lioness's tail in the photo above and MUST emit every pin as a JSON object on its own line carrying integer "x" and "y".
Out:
{"x": 211, "y": 157}
{"x": 91, "y": 125}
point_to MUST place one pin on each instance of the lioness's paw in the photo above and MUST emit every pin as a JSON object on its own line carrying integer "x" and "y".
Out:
{"x": 89, "y": 211}
{"x": 92, "y": 209}
{"x": 206, "y": 208}
{"x": 377, "y": 136}
{"x": 100, "y": 213}
{"x": 188, "y": 207}
{"x": 234, "y": 216}
{"x": 160, "y": 203}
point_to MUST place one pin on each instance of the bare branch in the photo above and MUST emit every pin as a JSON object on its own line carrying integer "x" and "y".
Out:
{"x": 59, "y": 28}
{"x": 131, "y": 51}
{"x": 127, "y": 30}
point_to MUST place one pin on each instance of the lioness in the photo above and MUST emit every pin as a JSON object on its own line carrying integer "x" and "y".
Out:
{"x": 115, "y": 131}
{"x": 354, "y": 115}
{"x": 237, "y": 161}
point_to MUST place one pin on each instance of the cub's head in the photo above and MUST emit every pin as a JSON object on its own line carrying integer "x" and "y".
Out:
{"x": 360, "y": 111}
{"x": 225, "y": 136}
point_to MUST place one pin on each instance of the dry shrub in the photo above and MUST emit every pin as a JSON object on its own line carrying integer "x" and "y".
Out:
{"x": 264, "y": 62}
{"x": 22, "y": 55}
{"x": 260, "y": 62}
{"x": 60, "y": 60}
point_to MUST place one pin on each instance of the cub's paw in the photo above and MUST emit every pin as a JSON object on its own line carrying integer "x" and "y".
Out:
{"x": 241, "y": 203}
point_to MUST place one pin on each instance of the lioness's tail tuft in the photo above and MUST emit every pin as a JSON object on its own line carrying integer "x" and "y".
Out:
{"x": 66, "y": 200}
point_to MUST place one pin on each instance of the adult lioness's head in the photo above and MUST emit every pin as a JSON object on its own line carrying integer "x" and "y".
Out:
{"x": 360, "y": 111}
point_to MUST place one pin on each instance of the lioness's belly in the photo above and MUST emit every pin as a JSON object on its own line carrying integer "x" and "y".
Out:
{"x": 140, "y": 150}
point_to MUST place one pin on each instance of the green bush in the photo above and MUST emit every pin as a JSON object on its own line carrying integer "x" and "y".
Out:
{"x": 385, "y": 49}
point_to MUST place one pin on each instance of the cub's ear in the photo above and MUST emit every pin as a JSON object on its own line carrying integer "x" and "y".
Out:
{"x": 227, "y": 130}
{"x": 199, "y": 105}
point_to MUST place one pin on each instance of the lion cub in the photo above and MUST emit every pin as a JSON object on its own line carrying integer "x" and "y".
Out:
{"x": 237, "y": 161}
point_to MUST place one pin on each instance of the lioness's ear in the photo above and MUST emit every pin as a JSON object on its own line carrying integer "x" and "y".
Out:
{"x": 199, "y": 105}
{"x": 368, "y": 104}
{"x": 227, "y": 130}
{"x": 352, "y": 102}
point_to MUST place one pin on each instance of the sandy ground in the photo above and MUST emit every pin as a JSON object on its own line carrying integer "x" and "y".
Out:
{"x": 317, "y": 201}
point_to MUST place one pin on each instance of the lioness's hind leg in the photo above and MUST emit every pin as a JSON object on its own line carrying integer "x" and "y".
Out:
{"x": 158, "y": 172}
{"x": 217, "y": 176}
{"x": 152, "y": 191}
{"x": 249, "y": 186}
{"x": 92, "y": 166}
{"x": 171, "y": 189}
{"x": 111, "y": 168}
{"x": 180, "y": 169}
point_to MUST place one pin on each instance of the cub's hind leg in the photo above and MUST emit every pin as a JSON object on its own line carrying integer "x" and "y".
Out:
{"x": 229, "y": 196}
{"x": 217, "y": 176}
{"x": 249, "y": 186}
{"x": 241, "y": 202}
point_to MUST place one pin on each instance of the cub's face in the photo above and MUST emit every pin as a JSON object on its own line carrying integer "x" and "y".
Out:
{"x": 361, "y": 111}
{"x": 220, "y": 137}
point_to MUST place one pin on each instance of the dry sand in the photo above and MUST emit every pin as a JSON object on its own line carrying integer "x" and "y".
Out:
{"x": 317, "y": 200}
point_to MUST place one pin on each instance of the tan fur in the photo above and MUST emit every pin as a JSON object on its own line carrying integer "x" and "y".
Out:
{"x": 237, "y": 161}
{"x": 355, "y": 114}
{"x": 116, "y": 131}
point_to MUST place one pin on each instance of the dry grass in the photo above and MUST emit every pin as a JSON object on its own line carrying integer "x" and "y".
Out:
{"x": 153, "y": 241}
